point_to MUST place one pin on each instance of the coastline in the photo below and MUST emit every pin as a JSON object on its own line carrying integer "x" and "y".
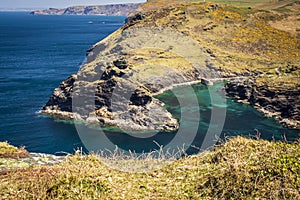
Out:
{"x": 288, "y": 123}
{"x": 97, "y": 10}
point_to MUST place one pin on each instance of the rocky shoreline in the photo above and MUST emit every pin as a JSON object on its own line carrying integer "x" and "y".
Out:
{"x": 238, "y": 88}
{"x": 33, "y": 159}
{"x": 283, "y": 105}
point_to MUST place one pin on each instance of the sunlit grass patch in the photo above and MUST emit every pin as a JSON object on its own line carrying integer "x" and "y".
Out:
{"x": 9, "y": 151}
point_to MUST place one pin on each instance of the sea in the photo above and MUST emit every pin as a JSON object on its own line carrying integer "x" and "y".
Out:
{"x": 38, "y": 52}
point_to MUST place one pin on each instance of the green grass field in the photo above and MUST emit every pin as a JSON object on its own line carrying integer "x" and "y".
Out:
{"x": 268, "y": 4}
{"x": 242, "y": 3}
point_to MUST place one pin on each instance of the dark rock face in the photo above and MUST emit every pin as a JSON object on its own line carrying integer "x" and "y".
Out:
{"x": 107, "y": 10}
{"x": 281, "y": 104}
{"x": 131, "y": 20}
{"x": 121, "y": 64}
{"x": 240, "y": 89}
{"x": 103, "y": 94}
{"x": 140, "y": 97}
{"x": 62, "y": 96}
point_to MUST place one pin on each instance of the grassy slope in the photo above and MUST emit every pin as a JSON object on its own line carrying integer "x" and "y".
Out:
{"x": 263, "y": 41}
{"x": 240, "y": 3}
{"x": 240, "y": 168}
{"x": 263, "y": 4}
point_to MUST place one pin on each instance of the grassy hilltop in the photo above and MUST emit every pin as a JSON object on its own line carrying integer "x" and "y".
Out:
{"x": 238, "y": 169}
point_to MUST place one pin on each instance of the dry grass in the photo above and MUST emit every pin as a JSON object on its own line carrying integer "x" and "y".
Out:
{"x": 247, "y": 41}
{"x": 150, "y": 62}
{"x": 238, "y": 169}
{"x": 9, "y": 151}
{"x": 275, "y": 4}
{"x": 261, "y": 39}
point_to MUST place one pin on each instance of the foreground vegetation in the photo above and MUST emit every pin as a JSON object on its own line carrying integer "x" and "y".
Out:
{"x": 240, "y": 168}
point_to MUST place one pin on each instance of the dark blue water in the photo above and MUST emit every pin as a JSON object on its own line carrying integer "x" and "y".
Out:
{"x": 38, "y": 52}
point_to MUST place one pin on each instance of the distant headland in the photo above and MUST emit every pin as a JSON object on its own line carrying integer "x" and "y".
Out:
{"x": 105, "y": 10}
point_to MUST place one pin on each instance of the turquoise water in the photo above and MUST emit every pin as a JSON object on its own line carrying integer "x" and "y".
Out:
{"x": 240, "y": 119}
{"x": 38, "y": 52}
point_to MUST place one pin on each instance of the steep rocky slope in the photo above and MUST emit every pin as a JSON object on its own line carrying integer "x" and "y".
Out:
{"x": 109, "y": 10}
{"x": 163, "y": 44}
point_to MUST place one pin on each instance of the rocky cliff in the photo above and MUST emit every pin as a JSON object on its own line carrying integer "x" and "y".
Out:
{"x": 163, "y": 44}
{"x": 107, "y": 10}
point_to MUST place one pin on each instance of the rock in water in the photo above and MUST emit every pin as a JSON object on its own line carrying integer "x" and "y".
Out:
{"x": 122, "y": 72}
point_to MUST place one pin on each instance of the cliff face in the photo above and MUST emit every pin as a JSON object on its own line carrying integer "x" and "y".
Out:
{"x": 166, "y": 44}
{"x": 107, "y": 10}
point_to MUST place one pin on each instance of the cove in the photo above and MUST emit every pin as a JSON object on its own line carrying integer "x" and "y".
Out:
{"x": 239, "y": 119}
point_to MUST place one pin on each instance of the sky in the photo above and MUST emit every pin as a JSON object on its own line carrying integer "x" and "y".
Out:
{"x": 20, "y": 4}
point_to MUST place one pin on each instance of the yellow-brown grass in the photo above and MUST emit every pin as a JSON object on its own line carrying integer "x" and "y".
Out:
{"x": 9, "y": 151}
{"x": 238, "y": 169}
